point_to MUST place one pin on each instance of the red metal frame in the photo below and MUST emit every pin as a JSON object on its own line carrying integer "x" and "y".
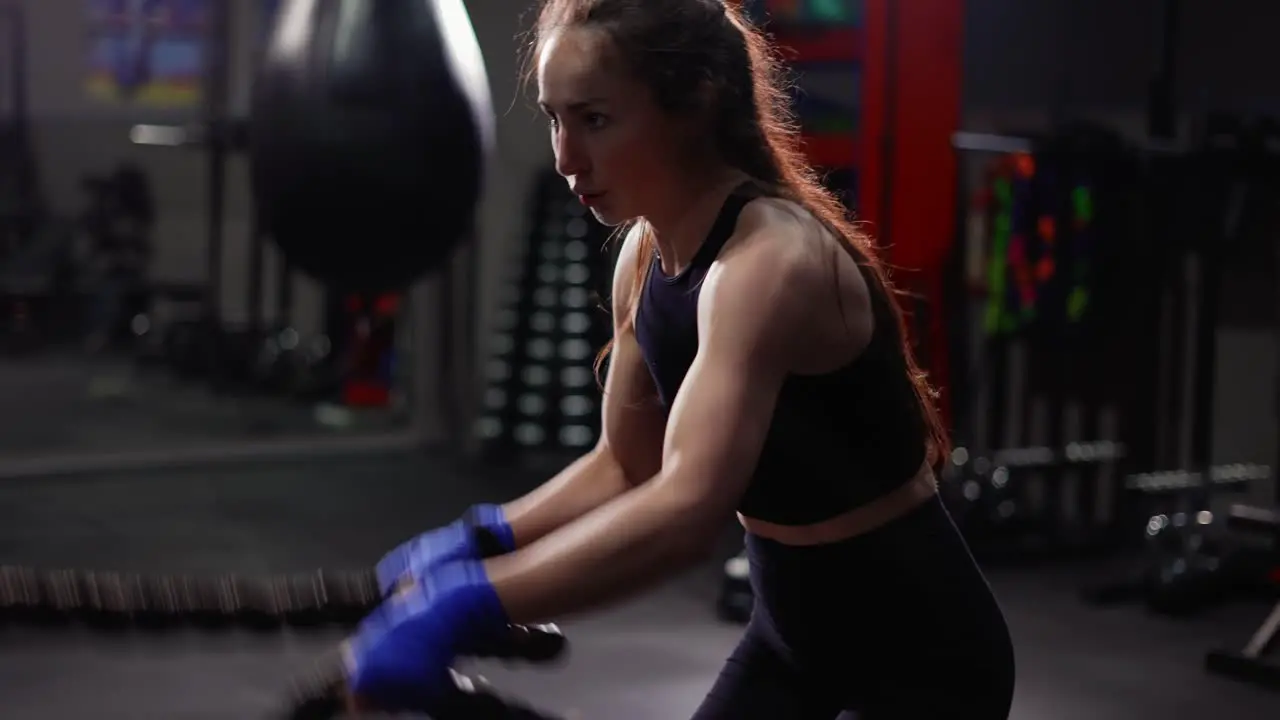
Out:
{"x": 926, "y": 93}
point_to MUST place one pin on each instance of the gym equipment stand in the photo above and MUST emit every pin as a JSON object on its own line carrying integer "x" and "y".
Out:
{"x": 1223, "y": 148}
{"x": 1251, "y": 663}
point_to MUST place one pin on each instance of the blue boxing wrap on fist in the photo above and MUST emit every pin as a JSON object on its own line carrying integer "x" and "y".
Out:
{"x": 400, "y": 657}
{"x": 456, "y": 541}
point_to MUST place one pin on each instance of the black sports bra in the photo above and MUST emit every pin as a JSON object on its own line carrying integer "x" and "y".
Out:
{"x": 837, "y": 440}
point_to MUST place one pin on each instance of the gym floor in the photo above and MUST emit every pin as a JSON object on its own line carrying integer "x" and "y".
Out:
{"x": 653, "y": 659}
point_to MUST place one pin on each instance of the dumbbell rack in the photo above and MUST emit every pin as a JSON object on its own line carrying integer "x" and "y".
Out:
{"x": 541, "y": 392}
{"x": 1037, "y": 501}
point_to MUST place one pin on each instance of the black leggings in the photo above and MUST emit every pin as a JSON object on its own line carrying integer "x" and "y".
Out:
{"x": 897, "y": 624}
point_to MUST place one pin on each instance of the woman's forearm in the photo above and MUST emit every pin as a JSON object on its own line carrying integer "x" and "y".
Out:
{"x": 591, "y": 481}
{"x": 611, "y": 553}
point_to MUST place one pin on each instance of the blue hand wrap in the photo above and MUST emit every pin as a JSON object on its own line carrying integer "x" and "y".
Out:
{"x": 401, "y": 655}
{"x": 492, "y": 519}
{"x": 454, "y": 541}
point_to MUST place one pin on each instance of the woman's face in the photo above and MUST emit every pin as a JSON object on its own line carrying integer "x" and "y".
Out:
{"x": 612, "y": 142}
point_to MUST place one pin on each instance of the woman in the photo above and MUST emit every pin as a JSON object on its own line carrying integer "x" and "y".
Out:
{"x": 758, "y": 365}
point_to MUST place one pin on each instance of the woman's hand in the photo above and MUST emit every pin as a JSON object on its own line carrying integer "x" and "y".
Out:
{"x": 401, "y": 657}
{"x": 481, "y": 532}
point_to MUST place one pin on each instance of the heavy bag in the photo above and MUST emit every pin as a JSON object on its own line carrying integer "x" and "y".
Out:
{"x": 370, "y": 127}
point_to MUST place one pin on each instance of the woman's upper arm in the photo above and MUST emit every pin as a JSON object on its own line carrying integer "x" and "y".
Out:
{"x": 633, "y": 423}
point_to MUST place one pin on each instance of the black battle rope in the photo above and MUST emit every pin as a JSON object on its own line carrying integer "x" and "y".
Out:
{"x": 110, "y": 600}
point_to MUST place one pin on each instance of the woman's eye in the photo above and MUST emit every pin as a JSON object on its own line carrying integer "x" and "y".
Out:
{"x": 595, "y": 120}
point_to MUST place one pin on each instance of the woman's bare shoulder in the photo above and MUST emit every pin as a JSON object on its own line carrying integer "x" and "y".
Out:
{"x": 785, "y": 268}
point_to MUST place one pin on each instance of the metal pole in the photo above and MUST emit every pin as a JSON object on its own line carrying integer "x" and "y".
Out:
{"x": 215, "y": 101}
{"x": 1161, "y": 104}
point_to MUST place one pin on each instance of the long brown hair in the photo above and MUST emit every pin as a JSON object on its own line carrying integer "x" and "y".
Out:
{"x": 679, "y": 48}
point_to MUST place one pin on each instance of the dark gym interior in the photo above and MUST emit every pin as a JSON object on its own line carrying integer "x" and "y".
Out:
{"x": 184, "y": 393}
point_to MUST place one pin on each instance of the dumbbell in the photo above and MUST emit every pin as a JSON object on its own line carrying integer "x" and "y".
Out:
{"x": 980, "y": 497}
{"x": 1185, "y": 565}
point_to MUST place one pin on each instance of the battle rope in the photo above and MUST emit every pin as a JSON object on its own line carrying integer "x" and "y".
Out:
{"x": 109, "y": 600}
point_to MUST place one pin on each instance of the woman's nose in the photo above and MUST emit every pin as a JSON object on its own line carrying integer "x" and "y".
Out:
{"x": 571, "y": 159}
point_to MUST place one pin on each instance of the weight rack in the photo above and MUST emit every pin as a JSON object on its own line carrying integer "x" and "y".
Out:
{"x": 1256, "y": 662}
{"x": 541, "y": 392}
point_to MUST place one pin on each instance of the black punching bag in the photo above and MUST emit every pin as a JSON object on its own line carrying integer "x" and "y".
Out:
{"x": 370, "y": 127}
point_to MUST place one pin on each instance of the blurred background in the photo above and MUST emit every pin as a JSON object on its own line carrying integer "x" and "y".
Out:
{"x": 1083, "y": 199}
